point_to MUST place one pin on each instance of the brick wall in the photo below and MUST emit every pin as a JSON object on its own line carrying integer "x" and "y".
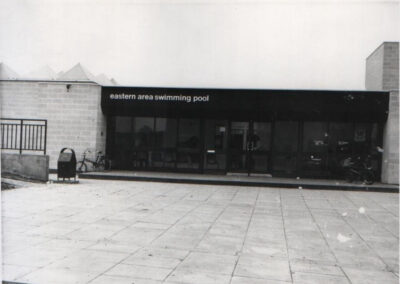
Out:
{"x": 382, "y": 73}
{"x": 74, "y": 116}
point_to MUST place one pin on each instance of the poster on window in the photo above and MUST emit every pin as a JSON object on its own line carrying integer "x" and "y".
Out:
{"x": 360, "y": 135}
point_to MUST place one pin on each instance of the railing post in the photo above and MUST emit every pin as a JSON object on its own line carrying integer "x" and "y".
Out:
{"x": 20, "y": 136}
{"x": 45, "y": 136}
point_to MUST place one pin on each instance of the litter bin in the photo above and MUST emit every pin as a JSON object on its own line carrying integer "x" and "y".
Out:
{"x": 66, "y": 164}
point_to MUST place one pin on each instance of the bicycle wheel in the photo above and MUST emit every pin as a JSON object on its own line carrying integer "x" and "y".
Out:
{"x": 369, "y": 178}
{"x": 81, "y": 167}
{"x": 107, "y": 164}
{"x": 100, "y": 165}
{"x": 349, "y": 176}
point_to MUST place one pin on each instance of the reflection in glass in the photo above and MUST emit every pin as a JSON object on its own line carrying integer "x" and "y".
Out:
{"x": 360, "y": 138}
{"x": 239, "y": 132}
{"x": 123, "y": 140}
{"x": 123, "y": 124}
{"x": 285, "y": 147}
{"x": 285, "y": 163}
{"x": 262, "y": 134}
{"x": 144, "y": 127}
{"x": 315, "y": 137}
{"x": 340, "y": 138}
{"x": 238, "y": 145}
{"x": 286, "y": 136}
{"x": 166, "y": 130}
{"x": 238, "y": 161}
{"x": 188, "y": 156}
{"x": 189, "y": 133}
{"x": 260, "y": 162}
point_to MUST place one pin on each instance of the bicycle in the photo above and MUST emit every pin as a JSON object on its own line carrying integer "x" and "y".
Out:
{"x": 359, "y": 169}
{"x": 100, "y": 163}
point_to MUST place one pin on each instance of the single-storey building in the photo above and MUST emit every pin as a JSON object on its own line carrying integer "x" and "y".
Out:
{"x": 291, "y": 133}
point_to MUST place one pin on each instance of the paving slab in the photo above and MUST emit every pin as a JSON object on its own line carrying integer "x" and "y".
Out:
{"x": 139, "y": 271}
{"x": 143, "y": 232}
{"x": 314, "y": 278}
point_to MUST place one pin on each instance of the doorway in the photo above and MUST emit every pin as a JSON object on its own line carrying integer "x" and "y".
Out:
{"x": 249, "y": 146}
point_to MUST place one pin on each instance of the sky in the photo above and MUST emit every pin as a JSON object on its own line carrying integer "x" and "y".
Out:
{"x": 256, "y": 44}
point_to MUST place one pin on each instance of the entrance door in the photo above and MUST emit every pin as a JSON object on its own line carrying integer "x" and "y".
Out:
{"x": 249, "y": 146}
{"x": 215, "y": 145}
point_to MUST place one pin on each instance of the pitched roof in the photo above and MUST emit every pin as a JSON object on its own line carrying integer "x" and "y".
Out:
{"x": 77, "y": 73}
{"x": 103, "y": 80}
{"x": 115, "y": 83}
{"x": 44, "y": 73}
{"x": 6, "y": 73}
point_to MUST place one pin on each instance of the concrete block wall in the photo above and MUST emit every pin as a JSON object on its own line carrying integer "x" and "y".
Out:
{"x": 29, "y": 166}
{"x": 374, "y": 70}
{"x": 390, "y": 80}
{"x": 382, "y": 68}
{"x": 390, "y": 157}
{"x": 74, "y": 115}
{"x": 382, "y": 74}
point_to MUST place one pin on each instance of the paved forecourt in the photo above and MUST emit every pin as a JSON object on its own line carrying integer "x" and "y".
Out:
{"x": 142, "y": 232}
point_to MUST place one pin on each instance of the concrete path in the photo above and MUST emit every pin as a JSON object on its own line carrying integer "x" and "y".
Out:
{"x": 142, "y": 232}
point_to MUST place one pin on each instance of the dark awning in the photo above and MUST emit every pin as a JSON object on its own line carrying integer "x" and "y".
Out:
{"x": 246, "y": 104}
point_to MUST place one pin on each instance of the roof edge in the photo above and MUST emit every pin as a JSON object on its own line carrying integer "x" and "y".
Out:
{"x": 249, "y": 89}
{"x": 382, "y": 44}
{"x": 49, "y": 81}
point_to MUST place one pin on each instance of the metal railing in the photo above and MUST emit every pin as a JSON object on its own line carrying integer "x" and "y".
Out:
{"x": 23, "y": 134}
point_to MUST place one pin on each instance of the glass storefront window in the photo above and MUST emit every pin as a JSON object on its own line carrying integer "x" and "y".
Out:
{"x": 189, "y": 133}
{"x": 143, "y": 141}
{"x": 188, "y": 155}
{"x": 123, "y": 141}
{"x": 286, "y": 136}
{"x": 160, "y": 143}
{"x": 374, "y": 137}
{"x": 360, "y": 138}
{"x": 123, "y": 124}
{"x": 144, "y": 127}
{"x": 340, "y": 146}
{"x": 260, "y": 163}
{"x": 340, "y": 138}
{"x": 262, "y": 134}
{"x": 374, "y": 147}
{"x": 261, "y": 146}
{"x": 285, "y": 164}
{"x": 315, "y": 137}
{"x": 166, "y": 131}
{"x": 164, "y": 154}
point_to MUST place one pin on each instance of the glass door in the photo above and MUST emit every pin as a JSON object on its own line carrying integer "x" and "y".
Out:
{"x": 260, "y": 147}
{"x": 215, "y": 145}
{"x": 285, "y": 145}
{"x": 250, "y": 146}
{"x": 239, "y": 133}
